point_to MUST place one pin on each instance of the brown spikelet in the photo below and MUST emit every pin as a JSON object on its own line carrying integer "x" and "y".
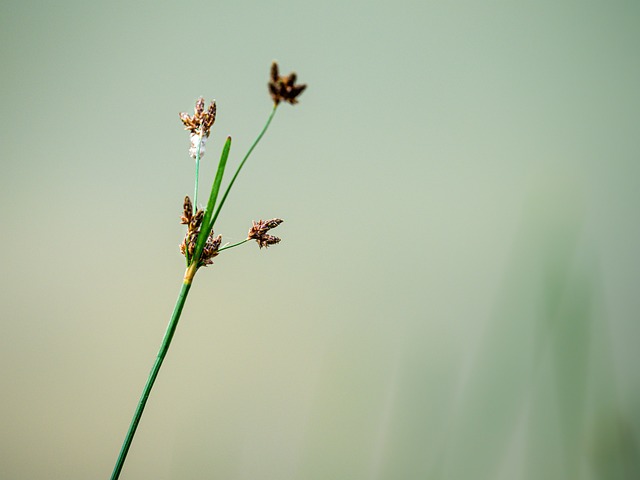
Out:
{"x": 201, "y": 121}
{"x": 210, "y": 250}
{"x": 259, "y": 229}
{"x": 273, "y": 223}
{"x": 187, "y": 211}
{"x": 284, "y": 88}
{"x": 270, "y": 240}
{"x": 196, "y": 220}
{"x": 199, "y": 108}
{"x": 193, "y": 222}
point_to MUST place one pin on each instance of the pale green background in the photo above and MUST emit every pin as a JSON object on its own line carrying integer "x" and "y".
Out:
{"x": 457, "y": 291}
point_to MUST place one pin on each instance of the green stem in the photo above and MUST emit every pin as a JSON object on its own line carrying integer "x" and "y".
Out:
{"x": 166, "y": 341}
{"x": 235, "y": 175}
{"x": 226, "y": 247}
{"x": 195, "y": 193}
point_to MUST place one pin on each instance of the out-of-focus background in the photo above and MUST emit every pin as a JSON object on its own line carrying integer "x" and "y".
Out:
{"x": 456, "y": 294}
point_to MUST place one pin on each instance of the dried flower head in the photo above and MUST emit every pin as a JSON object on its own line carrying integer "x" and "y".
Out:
{"x": 187, "y": 212}
{"x": 199, "y": 125}
{"x": 284, "y": 88}
{"x": 201, "y": 121}
{"x": 193, "y": 222}
{"x": 259, "y": 229}
{"x": 210, "y": 249}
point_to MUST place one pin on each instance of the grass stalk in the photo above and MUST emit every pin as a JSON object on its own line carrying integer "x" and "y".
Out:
{"x": 164, "y": 347}
{"x": 281, "y": 89}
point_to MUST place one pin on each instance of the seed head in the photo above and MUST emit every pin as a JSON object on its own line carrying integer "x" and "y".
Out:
{"x": 210, "y": 249}
{"x": 187, "y": 211}
{"x": 259, "y": 229}
{"x": 284, "y": 88}
{"x": 193, "y": 223}
{"x": 199, "y": 125}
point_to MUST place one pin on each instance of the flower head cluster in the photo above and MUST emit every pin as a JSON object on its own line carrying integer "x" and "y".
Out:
{"x": 284, "y": 88}
{"x": 281, "y": 88}
{"x": 194, "y": 222}
{"x": 258, "y": 232}
{"x": 210, "y": 250}
{"x": 199, "y": 125}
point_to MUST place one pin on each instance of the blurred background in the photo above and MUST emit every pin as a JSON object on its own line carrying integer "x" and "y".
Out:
{"x": 456, "y": 292}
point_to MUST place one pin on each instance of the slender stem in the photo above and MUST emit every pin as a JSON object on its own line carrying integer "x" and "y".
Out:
{"x": 226, "y": 247}
{"x": 235, "y": 175}
{"x": 166, "y": 341}
{"x": 195, "y": 193}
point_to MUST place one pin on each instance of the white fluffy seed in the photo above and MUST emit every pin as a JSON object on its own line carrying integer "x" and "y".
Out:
{"x": 197, "y": 138}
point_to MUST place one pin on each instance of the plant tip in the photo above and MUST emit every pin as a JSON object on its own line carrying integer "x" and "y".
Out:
{"x": 259, "y": 229}
{"x": 284, "y": 87}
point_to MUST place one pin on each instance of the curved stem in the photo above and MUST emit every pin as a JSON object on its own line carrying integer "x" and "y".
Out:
{"x": 235, "y": 175}
{"x": 227, "y": 247}
{"x": 164, "y": 347}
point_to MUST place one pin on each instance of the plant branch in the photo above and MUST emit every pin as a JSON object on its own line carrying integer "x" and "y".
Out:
{"x": 235, "y": 175}
{"x": 227, "y": 247}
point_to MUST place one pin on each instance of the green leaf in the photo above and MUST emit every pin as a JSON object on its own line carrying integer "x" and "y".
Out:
{"x": 207, "y": 223}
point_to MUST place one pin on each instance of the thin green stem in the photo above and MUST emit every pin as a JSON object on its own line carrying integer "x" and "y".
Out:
{"x": 166, "y": 341}
{"x": 195, "y": 192}
{"x": 227, "y": 247}
{"x": 235, "y": 175}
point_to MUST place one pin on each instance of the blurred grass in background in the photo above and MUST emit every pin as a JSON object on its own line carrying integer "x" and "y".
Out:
{"x": 456, "y": 293}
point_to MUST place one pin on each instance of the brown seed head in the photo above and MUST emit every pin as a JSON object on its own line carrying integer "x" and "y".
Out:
{"x": 210, "y": 249}
{"x": 201, "y": 121}
{"x": 196, "y": 221}
{"x": 199, "y": 108}
{"x": 259, "y": 229}
{"x": 268, "y": 240}
{"x": 193, "y": 223}
{"x": 187, "y": 212}
{"x": 284, "y": 88}
{"x": 273, "y": 223}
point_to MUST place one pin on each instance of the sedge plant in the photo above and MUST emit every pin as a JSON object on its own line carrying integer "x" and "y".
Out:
{"x": 200, "y": 244}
